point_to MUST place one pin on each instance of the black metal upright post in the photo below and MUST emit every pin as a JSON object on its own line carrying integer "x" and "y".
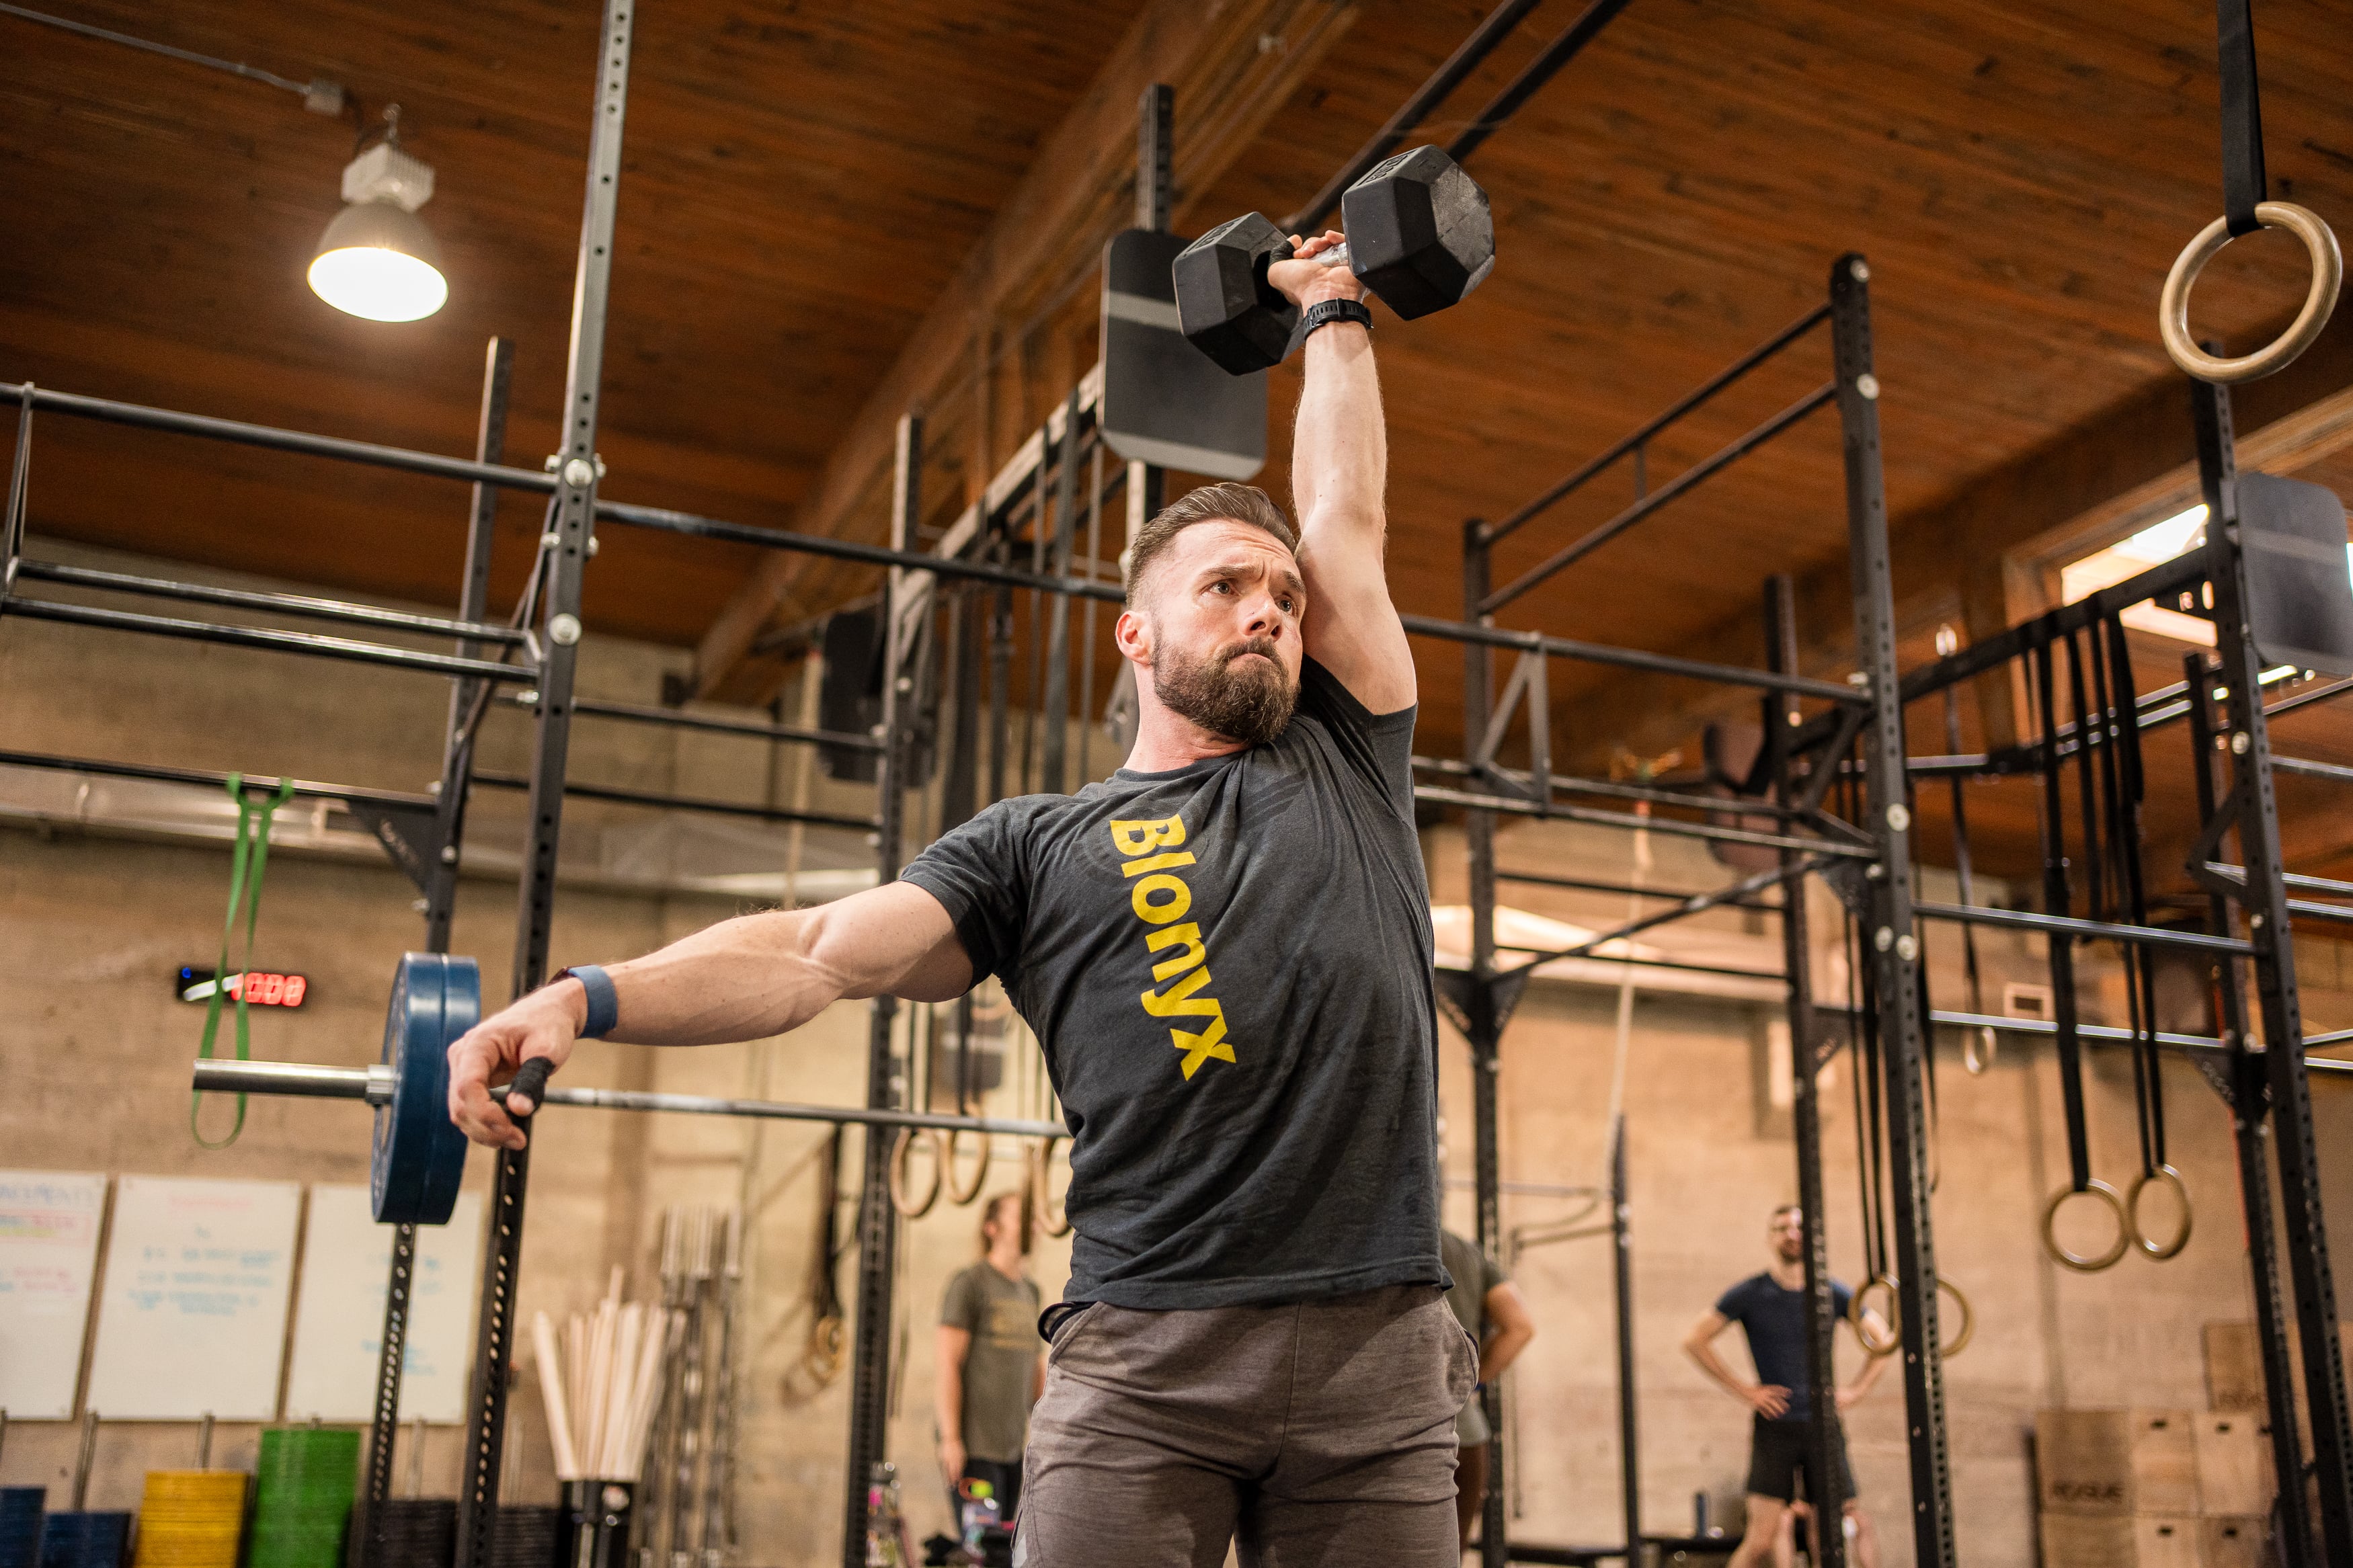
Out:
{"x": 2264, "y": 899}
{"x": 1058, "y": 634}
{"x": 1621, "y": 1273}
{"x": 877, "y": 1227}
{"x": 572, "y": 526}
{"x": 1483, "y": 1015}
{"x": 1895, "y": 947}
{"x": 1156, "y": 122}
{"x": 2250, "y": 1102}
{"x": 440, "y": 895}
{"x": 1825, "y": 1440}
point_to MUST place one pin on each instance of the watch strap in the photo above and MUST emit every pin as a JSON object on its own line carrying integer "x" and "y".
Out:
{"x": 604, "y": 1002}
{"x": 1325, "y": 312}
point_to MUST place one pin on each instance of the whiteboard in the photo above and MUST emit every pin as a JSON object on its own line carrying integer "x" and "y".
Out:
{"x": 192, "y": 1317}
{"x": 49, "y": 1254}
{"x": 339, "y": 1314}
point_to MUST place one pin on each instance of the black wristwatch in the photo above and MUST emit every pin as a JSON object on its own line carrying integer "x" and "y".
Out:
{"x": 1325, "y": 312}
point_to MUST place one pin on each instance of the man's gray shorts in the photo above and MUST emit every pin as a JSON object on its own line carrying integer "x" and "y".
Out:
{"x": 1316, "y": 1433}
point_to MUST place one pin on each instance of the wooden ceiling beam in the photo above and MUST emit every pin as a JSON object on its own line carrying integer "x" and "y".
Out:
{"x": 1233, "y": 64}
{"x": 1981, "y": 557}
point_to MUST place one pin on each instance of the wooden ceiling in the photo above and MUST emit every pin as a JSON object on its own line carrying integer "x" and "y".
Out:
{"x": 802, "y": 180}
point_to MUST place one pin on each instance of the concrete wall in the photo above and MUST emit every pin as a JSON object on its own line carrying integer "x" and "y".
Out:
{"x": 1710, "y": 1156}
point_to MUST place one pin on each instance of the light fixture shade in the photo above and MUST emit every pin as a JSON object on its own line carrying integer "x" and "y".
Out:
{"x": 379, "y": 262}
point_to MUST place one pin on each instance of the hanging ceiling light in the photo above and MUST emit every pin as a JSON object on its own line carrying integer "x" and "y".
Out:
{"x": 378, "y": 259}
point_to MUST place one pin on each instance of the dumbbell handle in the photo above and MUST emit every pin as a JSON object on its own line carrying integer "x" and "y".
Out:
{"x": 1335, "y": 256}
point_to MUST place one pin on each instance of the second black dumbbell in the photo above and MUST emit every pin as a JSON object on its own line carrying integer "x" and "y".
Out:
{"x": 1420, "y": 235}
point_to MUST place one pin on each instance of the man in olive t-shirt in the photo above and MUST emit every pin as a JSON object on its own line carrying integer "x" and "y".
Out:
{"x": 991, "y": 1360}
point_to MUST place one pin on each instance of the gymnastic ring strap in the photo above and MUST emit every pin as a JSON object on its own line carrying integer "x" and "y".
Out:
{"x": 900, "y": 1153}
{"x": 2319, "y": 300}
{"x": 1967, "y": 1330}
{"x": 2086, "y": 1263}
{"x": 1856, "y": 1320}
{"x": 958, "y": 1193}
{"x": 2164, "y": 1175}
{"x": 1042, "y": 1164}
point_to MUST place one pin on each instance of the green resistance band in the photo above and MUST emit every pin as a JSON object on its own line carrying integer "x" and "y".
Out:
{"x": 247, "y": 863}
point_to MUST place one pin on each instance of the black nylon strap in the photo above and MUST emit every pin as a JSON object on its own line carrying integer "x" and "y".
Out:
{"x": 2242, "y": 116}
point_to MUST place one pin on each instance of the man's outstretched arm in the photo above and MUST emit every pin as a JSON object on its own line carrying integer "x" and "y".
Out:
{"x": 1339, "y": 472}
{"x": 743, "y": 979}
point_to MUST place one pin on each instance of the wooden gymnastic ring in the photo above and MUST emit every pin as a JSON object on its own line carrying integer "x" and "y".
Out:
{"x": 1971, "y": 1062}
{"x": 2168, "y": 1176}
{"x": 958, "y": 1194}
{"x": 2319, "y": 300}
{"x": 1042, "y": 1164}
{"x": 1960, "y": 1339}
{"x": 899, "y": 1155}
{"x": 2086, "y": 1263}
{"x": 1854, "y": 1305}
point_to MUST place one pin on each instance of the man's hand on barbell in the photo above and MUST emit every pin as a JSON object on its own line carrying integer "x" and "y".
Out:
{"x": 543, "y": 1024}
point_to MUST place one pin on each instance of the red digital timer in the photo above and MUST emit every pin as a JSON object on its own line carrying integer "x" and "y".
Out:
{"x": 257, "y": 988}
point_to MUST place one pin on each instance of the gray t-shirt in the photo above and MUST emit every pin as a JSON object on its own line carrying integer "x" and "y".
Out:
{"x": 1228, "y": 966}
{"x": 1000, "y": 1370}
{"x": 1474, "y": 1274}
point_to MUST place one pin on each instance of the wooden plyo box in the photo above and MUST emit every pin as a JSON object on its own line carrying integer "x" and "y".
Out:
{"x": 2121, "y": 1541}
{"x": 2234, "y": 1364}
{"x": 2234, "y": 1464}
{"x": 2115, "y": 1462}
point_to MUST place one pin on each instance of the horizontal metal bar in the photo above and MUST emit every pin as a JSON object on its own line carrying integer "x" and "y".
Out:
{"x": 1697, "y": 903}
{"x": 685, "y": 803}
{"x": 2333, "y": 1037}
{"x": 1690, "y": 401}
{"x": 2307, "y": 768}
{"x": 664, "y": 521}
{"x": 2027, "y": 919}
{"x": 284, "y": 604}
{"x": 1629, "y": 659}
{"x": 2295, "y": 880}
{"x": 1680, "y": 485}
{"x": 1583, "y": 885}
{"x": 2338, "y": 914}
{"x": 1611, "y": 789}
{"x": 1582, "y": 29}
{"x": 2307, "y": 698}
{"x": 1661, "y": 825}
{"x": 2166, "y": 577}
{"x": 238, "y": 433}
{"x": 206, "y": 777}
{"x": 678, "y": 717}
{"x": 2104, "y": 1034}
{"x": 309, "y": 643}
{"x": 304, "y": 1081}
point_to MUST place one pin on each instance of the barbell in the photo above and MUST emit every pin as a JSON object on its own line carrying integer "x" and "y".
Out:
{"x": 418, "y": 1160}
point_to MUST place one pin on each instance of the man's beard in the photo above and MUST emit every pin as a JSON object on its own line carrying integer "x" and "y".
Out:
{"x": 1252, "y": 704}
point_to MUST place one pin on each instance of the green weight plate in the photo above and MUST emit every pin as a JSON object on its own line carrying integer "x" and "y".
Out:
{"x": 420, "y": 1157}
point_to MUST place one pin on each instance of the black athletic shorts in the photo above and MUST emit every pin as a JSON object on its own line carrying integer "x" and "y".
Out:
{"x": 1778, "y": 1454}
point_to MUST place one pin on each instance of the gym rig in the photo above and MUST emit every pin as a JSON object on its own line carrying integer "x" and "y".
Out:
{"x": 1821, "y": 735}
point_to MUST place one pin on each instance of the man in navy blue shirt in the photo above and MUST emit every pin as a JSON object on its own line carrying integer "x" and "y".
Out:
{"x": 1771, "y": 1308}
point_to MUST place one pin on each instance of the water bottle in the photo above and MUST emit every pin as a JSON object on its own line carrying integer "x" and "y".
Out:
{"x": 981, "y": 1515}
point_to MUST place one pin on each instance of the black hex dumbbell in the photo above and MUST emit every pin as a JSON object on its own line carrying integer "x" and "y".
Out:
{"x": 1420, "y": 235}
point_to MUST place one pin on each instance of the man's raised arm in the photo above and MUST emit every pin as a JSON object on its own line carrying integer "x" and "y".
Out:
{"x": 1339, "y": 471}
{"x": 743, "y": 979}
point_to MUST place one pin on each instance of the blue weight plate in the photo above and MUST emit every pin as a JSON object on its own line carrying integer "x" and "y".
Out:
{"x": 419, "y": 1157}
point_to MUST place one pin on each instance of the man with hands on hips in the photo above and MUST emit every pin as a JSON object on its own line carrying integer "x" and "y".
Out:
{"x": 1225, "y": 951}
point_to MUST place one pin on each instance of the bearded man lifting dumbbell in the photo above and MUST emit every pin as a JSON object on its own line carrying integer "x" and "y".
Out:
{"x": 1225, "y": 950}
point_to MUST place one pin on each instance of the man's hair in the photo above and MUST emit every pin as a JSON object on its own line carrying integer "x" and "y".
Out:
{"x": 1211, "y": 504}
{"x": 1775, "y": 1217}
{"x": 990, "y": 1210}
